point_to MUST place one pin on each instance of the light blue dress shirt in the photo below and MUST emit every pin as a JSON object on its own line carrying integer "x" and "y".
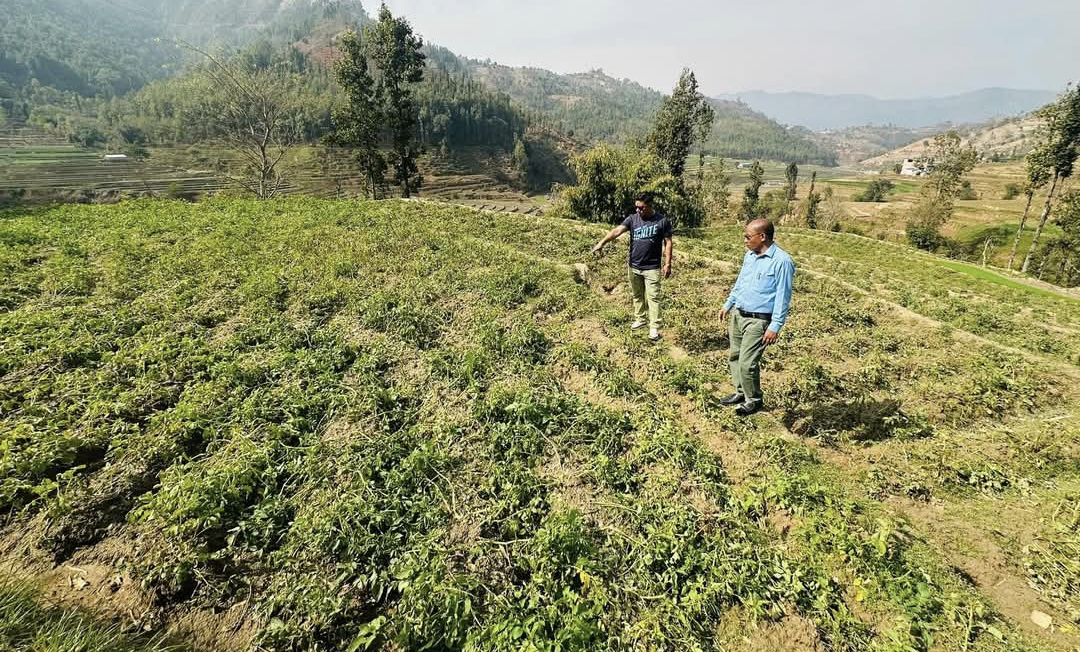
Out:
{"x": 764, "y": 285}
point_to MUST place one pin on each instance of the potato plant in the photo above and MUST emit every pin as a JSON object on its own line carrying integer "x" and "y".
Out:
{"x": 396, "y": 425}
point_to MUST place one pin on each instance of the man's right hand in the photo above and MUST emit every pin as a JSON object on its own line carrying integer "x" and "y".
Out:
{"x": 598, "y": 249}
{"x": 723, "y": 315}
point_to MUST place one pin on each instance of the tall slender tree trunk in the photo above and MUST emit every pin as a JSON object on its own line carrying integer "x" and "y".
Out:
{"x": 1020, "y": 231}
{"x": 811, "y": 210}
{"x": 1042, "y": 223}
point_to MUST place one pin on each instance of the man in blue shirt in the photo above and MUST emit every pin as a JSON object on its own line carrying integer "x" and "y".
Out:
{"x": 758, "y": 305}
{"x": 650, "y": 259}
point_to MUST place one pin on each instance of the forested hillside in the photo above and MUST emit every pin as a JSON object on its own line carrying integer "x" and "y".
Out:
{"x": 593, "y": 106}
{"x": 85, "y": 47}
{"x": 110, "y": 74}
{"x": 239, "y": 21}
{"x": 56, "y": 52}
{"x": 740, "y": 132}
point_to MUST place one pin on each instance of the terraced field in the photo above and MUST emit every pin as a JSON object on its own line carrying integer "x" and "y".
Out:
{"x": 35, "y": 166}
{"x": 325, "y": 425}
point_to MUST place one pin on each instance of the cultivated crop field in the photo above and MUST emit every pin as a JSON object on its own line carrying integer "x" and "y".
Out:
{"x": 334, "y": 425}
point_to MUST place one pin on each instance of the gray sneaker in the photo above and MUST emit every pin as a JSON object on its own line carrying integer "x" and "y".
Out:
{"x": 638, "y": 324}
{"x": 654, "y": 334}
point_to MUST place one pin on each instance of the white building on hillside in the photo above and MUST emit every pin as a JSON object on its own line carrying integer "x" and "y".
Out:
{"x": 911, "y": 168}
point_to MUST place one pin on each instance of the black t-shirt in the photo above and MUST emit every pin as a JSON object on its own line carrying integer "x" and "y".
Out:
{"x": 647, "y": 239}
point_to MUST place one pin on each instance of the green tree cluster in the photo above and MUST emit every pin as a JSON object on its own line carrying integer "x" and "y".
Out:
{"x": 751, "y": 208}
{"x": 609, "y": 178}
{"x": 877, "y": 191}
{"x": 948, "y": 161}
{"x": 398, "y": 63}
{"x": 685, "y": 118}
{"x": 357, "y": 122}
{"x": 1055, "y": 154}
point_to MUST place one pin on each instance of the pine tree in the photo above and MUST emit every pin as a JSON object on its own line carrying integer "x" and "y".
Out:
{"x": 813, "y": 200}
{"x": 357, "y": 123}
{"x": 395, "y": 51}
{"x": 684, "y": 118}
{"x": 519, "y": 160}
{"x": 792, "y": 174}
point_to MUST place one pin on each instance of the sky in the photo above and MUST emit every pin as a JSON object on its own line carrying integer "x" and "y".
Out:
{"x": 897, "y": 49}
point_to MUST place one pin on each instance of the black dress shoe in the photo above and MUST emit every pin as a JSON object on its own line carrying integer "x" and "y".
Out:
{"x": 747, "y": 409}
{"x": 734, "y": 399}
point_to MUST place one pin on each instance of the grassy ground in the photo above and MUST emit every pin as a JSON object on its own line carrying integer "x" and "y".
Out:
{"x": 995, "y": 277}
{"x": 29, "y": 625}
{"x": 311, "y": 424}
{"x": 973, "y": 222}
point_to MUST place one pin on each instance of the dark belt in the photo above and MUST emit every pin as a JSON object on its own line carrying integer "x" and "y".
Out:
{"x": 756, "y": 315}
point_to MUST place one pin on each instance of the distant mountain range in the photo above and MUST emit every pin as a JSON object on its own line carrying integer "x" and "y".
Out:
{"x": 822, "y": 112}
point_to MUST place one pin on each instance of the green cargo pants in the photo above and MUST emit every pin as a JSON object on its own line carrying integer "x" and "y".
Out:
{"x": 744, "y": 359}
{"x": 645, "y": 287}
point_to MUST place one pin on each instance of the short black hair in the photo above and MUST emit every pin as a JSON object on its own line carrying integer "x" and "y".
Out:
{"x": 646, "y": 197}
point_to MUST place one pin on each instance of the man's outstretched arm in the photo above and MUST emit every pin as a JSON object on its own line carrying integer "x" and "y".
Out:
{"x": 611, "y": 235}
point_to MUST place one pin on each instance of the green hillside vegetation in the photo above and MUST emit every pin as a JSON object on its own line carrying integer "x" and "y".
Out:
{"x": 593, "y": 106}
{"x": 27, "y": 624}
{"x": 80, "y": 47}
{"x": 376, "y": 432}
{"x": 740, "y": 132}
{"x": 170, "y": 100}
{"x": 89, "y": 48}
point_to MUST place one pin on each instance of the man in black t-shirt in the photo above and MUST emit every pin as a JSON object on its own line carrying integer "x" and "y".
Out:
{"x": 650, "y": 240}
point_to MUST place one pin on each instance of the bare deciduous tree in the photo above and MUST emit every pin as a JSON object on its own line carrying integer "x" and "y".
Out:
{"x": 257, "y": 113}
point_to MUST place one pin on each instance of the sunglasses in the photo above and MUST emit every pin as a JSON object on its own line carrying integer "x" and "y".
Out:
{"x": 640, "y": 208}
{"x": 748, "y": 236}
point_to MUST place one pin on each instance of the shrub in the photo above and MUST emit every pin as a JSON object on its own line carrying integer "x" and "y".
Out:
{"x": 876, "y": 191}
{"x": 966, "y": 191}
{"x": 924, "y": 236}
{"x": 611, "y": 178}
